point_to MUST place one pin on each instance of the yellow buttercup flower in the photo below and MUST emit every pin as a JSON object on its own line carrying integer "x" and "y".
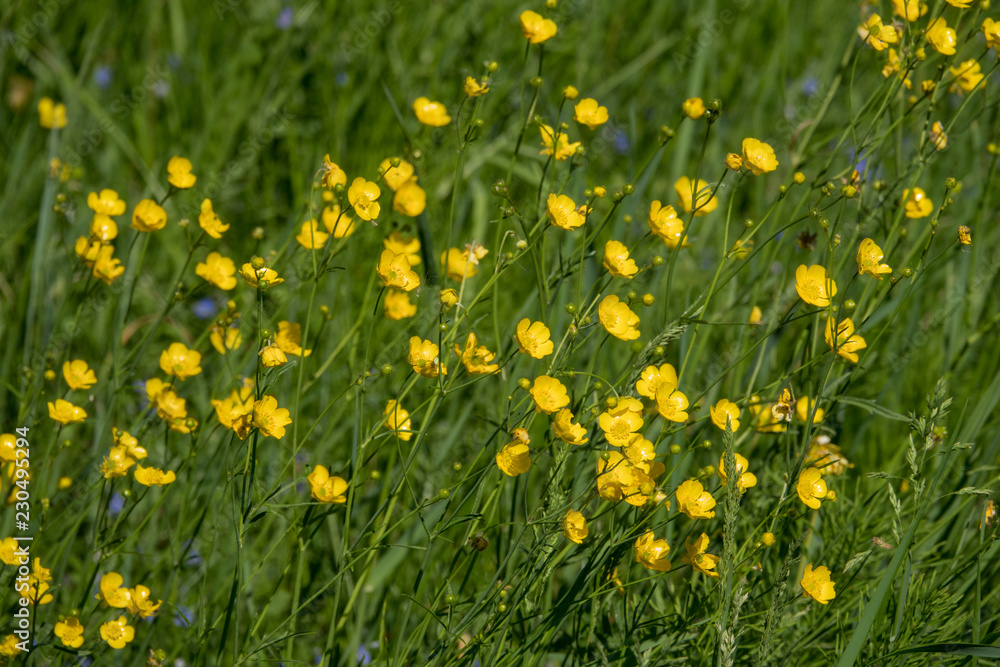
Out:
{"x": 226, "y": 339}
{"x": 734, "y": 162}
{"x": 179, "y": 173}
{"x": 430, "y": 113}
{"x": 588, "y": 112}
{"x": 557, "y": 143}
{"x": 910, "y": 10}
{"x": 179, "y": 361}
{"x": 87, "y": 250}
{"x": 964, "y": 235}
{"x": 574, "y": 526}
{"x": 991, "y": 31}
{"x": 78, "y": 374}
{"x": 398, "y": 305}
{"x": 622, "y": 423}
{"x": 917, "y": 203}
{"x": 641, "y": 453}
{"x": 106, "y": 267}
{"x": 117, "y": 462}
{"x": 652, "y": 553}
{"x": 231, "y": 409}
{"x": 693, "y": 108}
{"x": 941, "y": 37}
{"x": 448, "y": 297}
{"x": 817, "y": 584}
{"x": 695, "y": 555}
{"x": 394, "y": 270}
{"x": 570, "y": 93}
{"x": 615, "y": 476}
{"x": 814, "y": 286}
{"x": 117, "y": 633}
{"x": 686, "y": 190}
{"x": 461, "y": 264}
{"x": 333, "y": 175}
{"x": 563, "y": 212}
{"x": 877, "y": 35}
{"x": 617, "y": 261}
{"x": 65, "y": 412}
{"x": 407, "y": 245}
{"x": 671, "y": 403}
{"x": 363, "y": 196}
{"x": 337, "y": 223}
{"x": 103, "y": 228}
{"x": 289, "y": 339}
{"x": 827, "y": 457}
{"x": 811, "y": 488}
{"x": 804, "y": 406}
{"x": 652, "y": 377}
{"x": 154, "y": 476}
{"x": 939, "y": 138}
{"x": 310, "y": 236}
{"x": 273, "y": 356}
{"x": 533, "y": 338}
{"x": 617, "y": 318}
{"x": 327, "y": 488}
{"x": 474, "y": 88}
{"x": 209, "y": 221}
{"x": 269, "y": 418}
{"x": 967, "y": 75}
{"x": 141, "y": 603}
{"x": 111, "y": 591}
{"x": 397, "y": 420}
{"x": 744, "y": 478}
{"x": 130, "y": 443}
{"x": 535, "y": 28}
{"x": 758, "y": 157}
{"x": 514, "y": 459}
{"x": 566, "y": 430}
{"x": 476, "y": 358}
{"x": 425, "y": 359}
{"x": 107, "y": 202}
{"x": 549, "y": 394}
{"x": 410, "y": 199}
{"x": 694, "y": 500}
{"x": 398, "y": 176}
{"x": 70, "y": 632}
{"x": 256, "y": 276}
{"x": 847, "y": 342}
{"x": 961, "y": 4}
{"x": 148, "y": 216}
{"x": 869, "y": 256}
{"x": 725, "y": 410}
{"x": 663, "y": 222}
{"x": 51, "y": 115}
{"x": 218, "y": 270}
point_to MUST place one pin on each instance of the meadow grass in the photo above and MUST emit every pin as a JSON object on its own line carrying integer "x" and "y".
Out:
{"x": 344, "y": 531}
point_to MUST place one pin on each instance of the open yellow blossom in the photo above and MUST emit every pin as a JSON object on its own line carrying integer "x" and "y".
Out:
{"x": 695, "y": 555}
{"x": 549, "y": 394}
{"x": 8, "y": 449}
{"x": 111, "y": 591}
{"x": 910, "y": 10}
{"x": 641, "y": 453}
{"x": 106, "y": 267}
{"x": 588, "y": 112}
{"x": 847, "y": 342}
{"x": 425, "y": 359}
{"x": 621, "y": 424}
{"x": 615, "y": 476}
{"x": 814, "y": 286}
{"x": 663, "y": 222}
{"x": 693, "y": 108}
{"x": 179, "y": 361}
{"x": 617, "y": 261}
{"x": 877, "y": 35}
{"x": 225, "y": 339}
{"x": 107, "y": 202}
{"x": 461, "y": 264}
{"x": 744, "y": 480}
{"x": 289, "y": 339}
{"x": 141, "y": 603}
{"x": 269, "y": 418}
{"x": 410, "y": 200}
{"x": 652, "y": 377}
{"x": 476, "y": 358}
{"x": 103, "y": 228}
{"x": 148, "y": 216}
{"x": 817, "y": 584}
{"x": 686, "y": 190}
{"x": 474, "y": 88}
{"x": 557, "y": 144}
{"x": 430, "y": 113}
{"x": 332, "y": 174}
{"x": 65, "y": 412}
{"x": 210, "y": 222}
{"x": 394, "y": 270}
{"x": 51, "y": 115}
{"x": 991, "y": 30}
{"x": 535, "y": 28}
{"x": 179, "y": 173}
{"x": 617, "y": 318}
{"x": 398, "y": 305}
{"x": 398, "y": 176}
{"x": 397, "y": 420}
{"x": 236, "y": 405}
{"x": 803, "y": 406}
{"x": 406, "y": 245}
{"x": 917, "y": 203}
{"x": 327, "y": 488}
{"x": 310, "y": 236}
{"x": 671, "y": 403}
{"x": 130, "y": 443}
{"x": 941, "y": 37}
{"x": 563, "y": 212}
{"x": 337, "y": 223}
{"x": 574, "y": 526}
{"x": 117, "y": 633}
{"x": 514, "y": 459}
{"x": 255, "y": 277}
{"x": 758, "y": 157}
{"x": 87, "y": 250}
{"x": 70, "y": 632}
{"x": 827, "y": 457}
{"x": 117, "y": 462}
{"x": 363, "y": 196}
{"x": 218, "y": 270}
{"x": 811, "y": 488}
{"x": 154, "y": 476}
{"x": 78, "y": 374}
{"x": 725, "y": 410}
{"x": 967, "y": 75}
{"x": 533, "y": 338}
{"x": 652, "y": 553}
{"x": 694, "y": 500}
{"x": 869, "y": 256}
{"x": 566, "y": 430}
